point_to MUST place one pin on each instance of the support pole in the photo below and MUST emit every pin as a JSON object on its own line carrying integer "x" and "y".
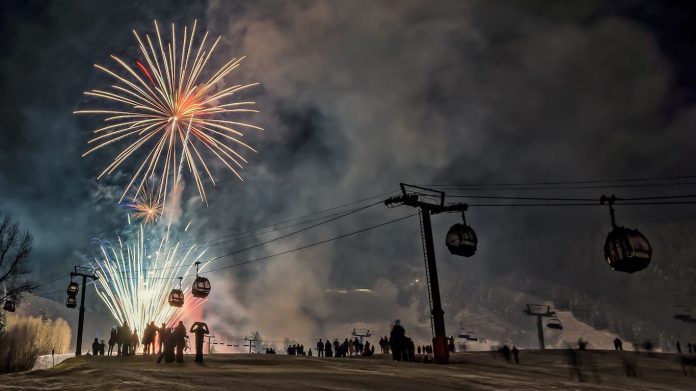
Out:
{"x": 81, "y": 321}
{"x": 440, "y": 351}
{"x": 540, "y": 331}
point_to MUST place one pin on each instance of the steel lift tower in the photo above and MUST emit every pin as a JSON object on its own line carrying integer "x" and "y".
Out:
{"x": 430, "y": 202}
{"x": 85, "y": 273}
{"x": 540, "y": 311}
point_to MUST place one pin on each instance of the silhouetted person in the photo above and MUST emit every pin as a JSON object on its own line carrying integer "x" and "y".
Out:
{"x": 169, "y": 346}
{"x": 648, "y": 346}
{"x": 124, "y": 334}
{"x": 327, "y": 348}
{"x": 179, "y": 336}
{"x": 161, "y": 332}
{"x": 516, "y": 354}
{"x": 505, "y": 350}
{"x": 134, "y": 342}
{"x": 574, "y": 364}
{"x": 95, "y": 347}
{"x": 320, "y": 349}
{"x": 629, "y": 364}
{"x": 618, "y": 345}
{"x": 200, "y": 329}
{"x": 397, "y": 339}
{"x": 102, "y": 345}
{"x": 582, "y": 344}
{"x": 419, "y": 350}
{"x": 149, "y": 338}
{"x": 112, "y": 340}
{"x": 450, "y": 344}
{"x": 678, "y": 347}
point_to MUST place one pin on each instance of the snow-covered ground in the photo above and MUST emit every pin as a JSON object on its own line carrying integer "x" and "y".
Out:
{"x": 548, "y": 370}
{"x": 48, "y": 361}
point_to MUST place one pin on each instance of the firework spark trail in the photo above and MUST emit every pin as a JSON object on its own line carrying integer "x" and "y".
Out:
{"x": 159, "y": 107}
{"x": 135, "y": 285}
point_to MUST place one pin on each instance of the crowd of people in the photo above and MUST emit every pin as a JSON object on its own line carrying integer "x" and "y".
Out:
{"x": 172, "y": 342}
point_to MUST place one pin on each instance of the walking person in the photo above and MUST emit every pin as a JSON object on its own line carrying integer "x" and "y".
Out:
{"x": 200, "y": 329}
{"x": 516, "y": 353}
{"x": 112, "y": 340}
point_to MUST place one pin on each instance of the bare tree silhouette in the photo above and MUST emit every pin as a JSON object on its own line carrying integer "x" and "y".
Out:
{"x": 15, "y": 247}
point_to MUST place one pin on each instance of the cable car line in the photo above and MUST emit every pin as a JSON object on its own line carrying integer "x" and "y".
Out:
{"x": 562, "y": 183}
{"x": 303, "y": 216}
{"x": 312, "y": 244}
{"x": 278, "y": 237}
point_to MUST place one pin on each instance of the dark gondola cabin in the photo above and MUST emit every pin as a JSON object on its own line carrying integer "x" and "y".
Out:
{"x": 9, "y": 306}
{"x": 627, "y": 250}
{"x": 176, "y": 298}
{"x": 461, "y": 240}
{"x": 71, "y": 302}
{"x": 201, "y": 287}
{"x": 73, "y": 288}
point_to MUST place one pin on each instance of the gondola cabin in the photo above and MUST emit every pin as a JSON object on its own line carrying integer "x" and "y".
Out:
{"x": 9, "y": 306}
{"x": 461, "y": 240}
{"x": 73, "y": 288}
{"x": 627, "y": 250}
{"x": 71, "y": 302}
{"x": 201, "y": 287}
{"x": 176, "y": 298}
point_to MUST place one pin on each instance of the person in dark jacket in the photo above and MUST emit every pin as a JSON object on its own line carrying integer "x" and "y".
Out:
{"x": 320, "y": 349}
{"x": 328, "y": 350}
{"x": 200, "y": 329}
{"x": 161, "y": 332}
{"x": 180, "y": 341}
{"x": 95, "y": 347}
{"x": 397, "y": 337}
{"x": 124, "y": 334}
{"x": 113, "y": 338}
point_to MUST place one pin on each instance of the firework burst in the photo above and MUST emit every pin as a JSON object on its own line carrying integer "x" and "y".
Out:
{"x": 171, "y": 112}
{"x": 134, "y": 283}
{"x": 146, "y": 206}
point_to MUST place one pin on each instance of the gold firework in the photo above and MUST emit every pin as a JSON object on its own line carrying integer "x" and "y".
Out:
{"x": 146, "y": 206}
{"x": 171, "y": 112}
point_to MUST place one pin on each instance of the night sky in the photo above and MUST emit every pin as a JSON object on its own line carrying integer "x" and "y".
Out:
{"x": 357, "y": 96}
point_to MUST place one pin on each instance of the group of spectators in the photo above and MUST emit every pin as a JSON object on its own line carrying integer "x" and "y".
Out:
{"x": 172, "y": 341}
{"x": 347, "y": 348}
